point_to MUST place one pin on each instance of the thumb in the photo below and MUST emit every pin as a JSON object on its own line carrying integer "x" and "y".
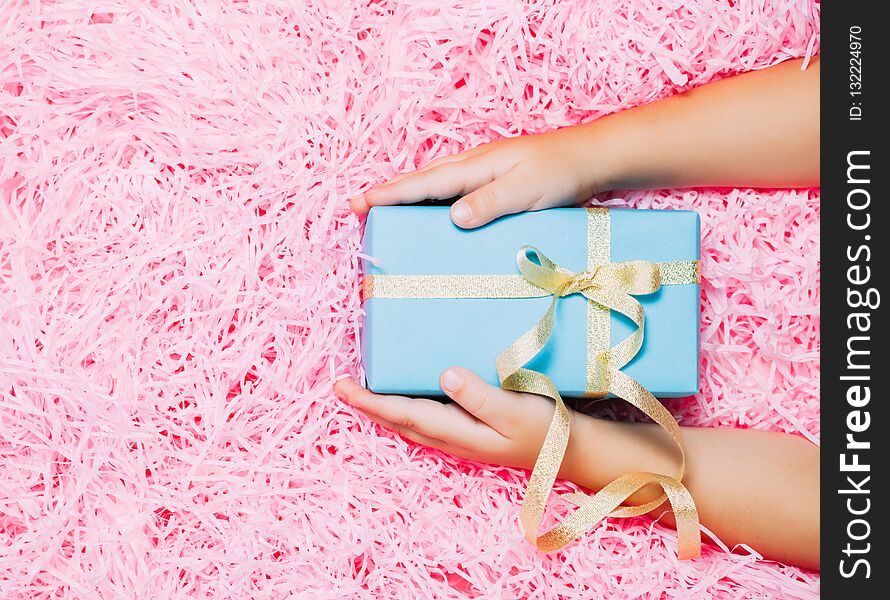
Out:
{"x": 491, "y": 405}
{"x": 507, "y": 194}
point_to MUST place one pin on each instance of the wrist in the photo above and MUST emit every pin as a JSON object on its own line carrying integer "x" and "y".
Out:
{"x": 619, "y": 152}
{"x": 583, "y": 463}
{"x": 599, "y": 451}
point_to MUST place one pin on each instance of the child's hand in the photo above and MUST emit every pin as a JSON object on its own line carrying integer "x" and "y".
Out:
{"x": 484, "y": 423}
{"x": 740, "y": 478}
{"x": 760, "y": 129}
{"x": 531, "y": 172}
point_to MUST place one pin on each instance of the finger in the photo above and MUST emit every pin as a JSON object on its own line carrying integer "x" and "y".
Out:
{"x": 410, "y": 434}
{"x": 509, "y": 193}
{"x": 441, "y": 160}
{"x": 360, "y": 204}
{"x": 446, "y": 422}
{"x": 450, "y": 158}
{"x": 442, "y": 181}
{"x": 489, "y": 404}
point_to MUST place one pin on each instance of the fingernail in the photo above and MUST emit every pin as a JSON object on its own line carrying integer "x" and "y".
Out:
{"x": 461, "y": 212}
{"x": 451, "y": 380}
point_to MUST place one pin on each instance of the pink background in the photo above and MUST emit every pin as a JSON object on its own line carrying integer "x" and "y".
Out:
{"x": 178, "y": 289}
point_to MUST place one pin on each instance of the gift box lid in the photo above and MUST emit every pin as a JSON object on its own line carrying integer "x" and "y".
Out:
{"x": 408, "y": 342}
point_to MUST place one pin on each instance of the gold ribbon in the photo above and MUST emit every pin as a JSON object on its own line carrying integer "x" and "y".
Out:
{"x": 607, "y": 286}
{"x": 611, "y": 286}
{"x": 478, "y": 287}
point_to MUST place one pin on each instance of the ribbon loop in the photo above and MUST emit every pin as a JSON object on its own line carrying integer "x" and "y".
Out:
{"x": 612, "y": 286}
{"x": 545, "y": 273}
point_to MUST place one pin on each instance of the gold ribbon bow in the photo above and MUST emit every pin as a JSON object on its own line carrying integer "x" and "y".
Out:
{"x": 612, "y": 286}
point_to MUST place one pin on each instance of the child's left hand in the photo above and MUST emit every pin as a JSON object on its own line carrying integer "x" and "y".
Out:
{"x": 484, "y": 423}
{"x": 739, "y": 477}
{"x": 489, "y": 424}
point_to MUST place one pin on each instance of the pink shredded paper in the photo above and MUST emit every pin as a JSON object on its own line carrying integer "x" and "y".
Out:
{"x": 178, "y": 291}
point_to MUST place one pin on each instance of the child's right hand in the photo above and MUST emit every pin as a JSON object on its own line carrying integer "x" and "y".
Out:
{"x": 531, "y": 172}
{"x": 760, "y": 129}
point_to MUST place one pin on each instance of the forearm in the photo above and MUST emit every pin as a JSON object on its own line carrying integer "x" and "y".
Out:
{"x": 752, "y": 487}
{"x": 758, "y": 129}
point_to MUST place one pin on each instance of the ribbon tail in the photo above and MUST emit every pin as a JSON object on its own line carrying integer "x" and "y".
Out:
{"x": 608, "y": 501}
{"x": 526, "y": 347}
{"x": 549, "y": 461}
{"x": 619, "y": 279}
{"x": 592, "y": 509}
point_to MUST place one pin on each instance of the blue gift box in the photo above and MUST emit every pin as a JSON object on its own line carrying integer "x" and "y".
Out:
{"x": 408, "y": 341}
